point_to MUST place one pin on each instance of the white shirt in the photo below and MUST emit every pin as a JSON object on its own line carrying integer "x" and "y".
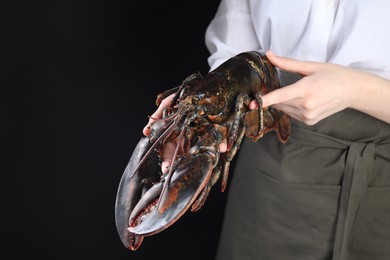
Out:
{"x": 354, "y": 33}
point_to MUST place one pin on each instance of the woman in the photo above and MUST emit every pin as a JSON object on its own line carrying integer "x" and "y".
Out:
{"x": 325, "y": 193}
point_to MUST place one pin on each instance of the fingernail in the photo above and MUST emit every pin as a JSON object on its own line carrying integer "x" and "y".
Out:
{"x": 222, "y": 147}
{"x": 165, "y": 166}
{"x": 146, "y": 130}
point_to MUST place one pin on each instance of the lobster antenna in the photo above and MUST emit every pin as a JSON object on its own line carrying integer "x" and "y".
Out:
{"x": 172, "y": 124}
{"x": 170, "y": 173}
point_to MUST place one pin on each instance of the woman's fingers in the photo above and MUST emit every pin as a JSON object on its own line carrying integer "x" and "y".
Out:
{"x": 278, "y": 96}
{"x": 301, "y": 67}
{"x": 282, "y": 95}
{"x": 158, "y": 113}
{"x": 167, "y": 156}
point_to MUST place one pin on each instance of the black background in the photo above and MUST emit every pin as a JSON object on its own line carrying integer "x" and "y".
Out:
{"x": 78, "y": 79}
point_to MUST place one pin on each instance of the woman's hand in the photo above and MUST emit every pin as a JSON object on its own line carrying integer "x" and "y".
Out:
{"x": 166, "y": 102}
{"x": 327, "y": 89}
{"x": 169, "y": 147}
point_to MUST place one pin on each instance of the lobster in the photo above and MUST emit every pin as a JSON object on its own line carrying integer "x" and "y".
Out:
{"x": 205, "y": 111}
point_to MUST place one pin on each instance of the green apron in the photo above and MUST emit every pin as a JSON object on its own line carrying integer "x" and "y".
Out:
{"x": 325, "y": 194}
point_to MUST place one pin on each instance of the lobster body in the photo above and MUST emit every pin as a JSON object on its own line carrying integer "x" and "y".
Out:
{"x": 205, "y": 112}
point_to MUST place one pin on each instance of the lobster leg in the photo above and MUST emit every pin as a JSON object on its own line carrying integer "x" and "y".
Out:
{"x": 282, "y": 125}
{"x": 198, "y": 204}
{"x": 237, "y": 123}
{"x": 163, "y": 95}
{"x": 273, "y": 119}
{"x": 235, "y": 137}
{"x": 260, "y": 132}
{"x": 229, "y": 157}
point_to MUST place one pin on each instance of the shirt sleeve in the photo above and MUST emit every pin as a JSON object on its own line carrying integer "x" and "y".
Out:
{"x": 230, "y": 32}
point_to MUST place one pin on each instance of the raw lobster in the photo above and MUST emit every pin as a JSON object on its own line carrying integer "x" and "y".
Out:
{"x": 204, "y": 112}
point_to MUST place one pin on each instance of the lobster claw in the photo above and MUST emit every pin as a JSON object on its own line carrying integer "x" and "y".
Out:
{"x": 135, "y": 180}
{"x": 156, "y": 212}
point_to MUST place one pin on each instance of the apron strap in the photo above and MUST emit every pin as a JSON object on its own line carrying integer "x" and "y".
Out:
{"x": 358, "y": 166}
{"x": 360, "y": 160}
